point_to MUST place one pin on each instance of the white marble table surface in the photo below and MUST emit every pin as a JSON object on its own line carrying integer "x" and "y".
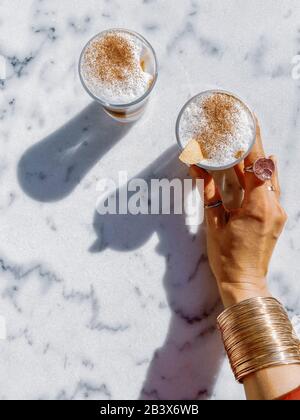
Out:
{"x": 123, "y": 308}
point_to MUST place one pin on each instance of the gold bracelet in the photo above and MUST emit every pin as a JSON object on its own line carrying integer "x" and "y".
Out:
{"x": 258, "y": 334}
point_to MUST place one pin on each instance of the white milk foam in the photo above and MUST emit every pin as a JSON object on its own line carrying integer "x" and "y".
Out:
{"x": 119, "y": 92}
{"x": 193, "y": 122}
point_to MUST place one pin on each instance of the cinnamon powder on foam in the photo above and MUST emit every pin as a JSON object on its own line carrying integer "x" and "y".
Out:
{"x": 221, "y": 115}
{"x": 111, "y": 59}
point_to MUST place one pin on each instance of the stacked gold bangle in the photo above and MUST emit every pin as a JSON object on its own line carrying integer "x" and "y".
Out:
{"x": 258, "y": 334}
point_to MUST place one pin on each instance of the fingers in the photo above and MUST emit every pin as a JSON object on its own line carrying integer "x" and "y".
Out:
{"x": 251, "y": 181}
{"x": 275, "y": 179}
{"x": 258, "y": 148}
{"x": 211, "y": 195}
{"x": 239, "y": 170}
{"x": 214, "y": 216}
{"x": 255, "y": 189}
{"x": 259, "y": 196}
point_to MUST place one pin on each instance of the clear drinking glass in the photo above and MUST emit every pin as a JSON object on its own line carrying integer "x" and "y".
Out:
{"x": 132, "y": 111}
{"x": 225, "y": 176}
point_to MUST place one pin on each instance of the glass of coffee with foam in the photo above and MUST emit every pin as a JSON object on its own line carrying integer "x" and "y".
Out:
{"x": 216, "y": 130}
{"x": 118, "y": 68}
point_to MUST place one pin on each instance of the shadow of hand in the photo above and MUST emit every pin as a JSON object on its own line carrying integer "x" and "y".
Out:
{"x": 186, "y": 365}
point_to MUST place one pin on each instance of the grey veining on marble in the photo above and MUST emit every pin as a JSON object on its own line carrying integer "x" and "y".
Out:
{"x": 124, "y": 307}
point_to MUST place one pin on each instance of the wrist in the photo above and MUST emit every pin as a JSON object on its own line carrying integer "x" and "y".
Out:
{"x": 234, "y": 293}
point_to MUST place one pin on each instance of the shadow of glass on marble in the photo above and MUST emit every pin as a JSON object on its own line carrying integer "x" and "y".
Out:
{"x": 51, "y": 169}
{"x": 186, "y": 366}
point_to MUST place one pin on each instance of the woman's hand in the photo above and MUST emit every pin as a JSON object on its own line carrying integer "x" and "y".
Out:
{"x": 241, "y": 242}
{"x": 240, "y": 246}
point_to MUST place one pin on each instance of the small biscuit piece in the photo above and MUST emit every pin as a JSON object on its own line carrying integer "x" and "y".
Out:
{"x": 192, "y": 153}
